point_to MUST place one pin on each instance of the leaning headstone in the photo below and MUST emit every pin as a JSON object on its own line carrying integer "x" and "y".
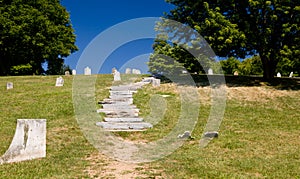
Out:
{"x": 29, "y": 141}
{"x": 210, "y": 71}
{"x": 59, "y": 81}
{"x": 236, "y": 73}
{"x": 9, "y": 85}
{"x": 67, "y": 73}
{"x": 87, "y": 71}
{"x": 291, "y": 74}
{"x": 278, "y": 75}
{"x": 128, "y": 71}
{"x": 73, "y": 72}
{"x": 117, "y": 76}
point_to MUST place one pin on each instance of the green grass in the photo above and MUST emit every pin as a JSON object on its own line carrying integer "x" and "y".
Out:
{"x": 259, "y": 138}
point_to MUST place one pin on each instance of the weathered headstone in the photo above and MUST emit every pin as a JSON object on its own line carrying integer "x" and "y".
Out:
{"x": 278, "y": 75}
{"x": 73, "y": 72}
{"x": 210, "y": 71}
{"x": 67, "y": 73}
{"x": 291, "y": 74}
{"x": 128, "y": 71}
{"x": 117, "y": 76}
{"x": 29, "y": 141}
{"x": 156, "y": 82}
{"x": 236, "y": 73}
{"x": 136, "y": 71}
{"x": 9, "y": 85}
{"x": 59, "y": 81}
{"x": 87, "y": 71}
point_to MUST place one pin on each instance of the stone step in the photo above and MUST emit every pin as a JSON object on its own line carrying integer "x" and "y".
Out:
{"x": 127, "y": 92}
{"x": 115, "y": 102}
{"x": 106, "y": 119}
{"x": 117, "y": 106}
{"x": 124, "y": 126}
{"x": 120, "y": 97}
{"x": 129, "y": 100}
{"x": 118, "y": 111}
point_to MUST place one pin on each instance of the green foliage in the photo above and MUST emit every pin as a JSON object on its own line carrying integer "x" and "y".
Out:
{"x": 240, "y": 28}
{"x": 230, "y": 65}
{"x": 251, "y": 66}
{"x": 21, "y": 69}
{"x": 34, "y": 32}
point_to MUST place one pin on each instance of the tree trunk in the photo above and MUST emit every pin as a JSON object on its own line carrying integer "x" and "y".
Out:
{"x": 269, "y": 67}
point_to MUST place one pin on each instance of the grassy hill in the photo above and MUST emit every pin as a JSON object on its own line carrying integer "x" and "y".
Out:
{"x": 259, "y": 136}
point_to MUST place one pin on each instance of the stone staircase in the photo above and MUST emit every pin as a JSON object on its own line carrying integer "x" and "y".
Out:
{"x": 121, "y": 114}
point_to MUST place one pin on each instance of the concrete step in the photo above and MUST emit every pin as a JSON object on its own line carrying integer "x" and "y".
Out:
{"x": 124, "y": 126}
{"x": 117, "y": 106}
{"x": 106, "y": 119}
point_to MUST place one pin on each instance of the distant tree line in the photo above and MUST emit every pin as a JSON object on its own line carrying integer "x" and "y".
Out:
{"x": 33, "y": 33}
{"x": 233, "y": 29}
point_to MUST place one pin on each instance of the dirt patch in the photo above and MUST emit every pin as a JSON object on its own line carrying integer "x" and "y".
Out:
{"x": 103, "y": 167}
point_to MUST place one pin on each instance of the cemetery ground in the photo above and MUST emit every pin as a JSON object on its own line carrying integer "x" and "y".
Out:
{"x": 259, "y": 136}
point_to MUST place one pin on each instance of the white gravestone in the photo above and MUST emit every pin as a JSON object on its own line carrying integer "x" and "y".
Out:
{"x": 278, "y": 75}
{"x": 128, "y": 71}
{"x": 117, "y": 76}
{"x": 236, "y": 73}
{"x": 59, "y": 81}
{"x": 87, "y": 71}
{"x": 73, "y": 72}
{"x": 291, "y": 74}
{"x": 210, "y": 71}
{"x": 67, "y": 73}
{"x": 156, "y": 82}
{"x": 29, "y": 141}
{"x": 136, "y": 71}
{"x": 9, "y": 85}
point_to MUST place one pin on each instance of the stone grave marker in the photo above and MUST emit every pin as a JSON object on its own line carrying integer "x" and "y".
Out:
{"x": 29, "y": 141}
{"x": 236, "y": 73}
{"x": 156, "y": 82}
{"x": 278, "y": 75}
{"x": 87, "y": 71}
{"x": 291, "y": 74}
{"x": 128, "y": 71}
{"x": 9, "y": 85}
{"x": 67, "y": 73}
{"x": 210, "y": 71}
{"x": 117, "y": 76}
{"x": 136, "y": 71}
{"x": 59, "y": 81}
{"x": 73, "y": 72}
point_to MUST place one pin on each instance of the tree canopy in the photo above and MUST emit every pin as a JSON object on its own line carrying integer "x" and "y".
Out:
{"x": 32, "y": 33}
{"x": 241, "y": 28}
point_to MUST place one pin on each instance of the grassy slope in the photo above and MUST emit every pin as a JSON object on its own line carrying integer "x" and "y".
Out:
{"x": 259, "y": 136}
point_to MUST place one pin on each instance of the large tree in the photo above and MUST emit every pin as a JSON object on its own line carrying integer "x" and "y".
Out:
{"x": 245, "y": 27}
{"x": 34, "y": 32}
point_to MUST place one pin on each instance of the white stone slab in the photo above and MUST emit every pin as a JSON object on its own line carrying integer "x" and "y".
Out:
{"x": 29, "y": 141}
{"x": 123, "y": 119}
{"x": 9, "y": 85}
{"x": 87, "y": 71}
{"x": 59, "y": 81}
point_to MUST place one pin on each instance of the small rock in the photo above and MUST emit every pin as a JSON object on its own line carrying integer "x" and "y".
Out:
{"x": 213, "y": 134}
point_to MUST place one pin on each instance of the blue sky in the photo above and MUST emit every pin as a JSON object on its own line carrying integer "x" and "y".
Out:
{"x": 91, "y": 17}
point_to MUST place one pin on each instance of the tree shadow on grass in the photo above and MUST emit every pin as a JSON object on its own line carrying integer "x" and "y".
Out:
{"x": 241, "y": 81}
